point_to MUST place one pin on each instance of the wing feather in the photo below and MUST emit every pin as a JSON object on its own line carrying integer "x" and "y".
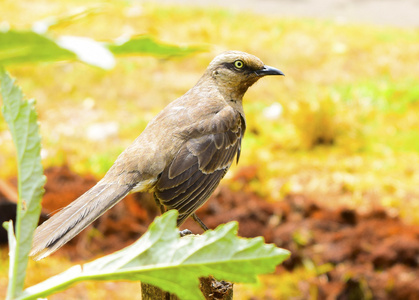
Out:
{"x": 185, "y": 160}
{"x": 195, "y": 172}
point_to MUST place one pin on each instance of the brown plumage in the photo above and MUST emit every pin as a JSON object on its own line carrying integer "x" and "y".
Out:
{"x": 181, "y": 156}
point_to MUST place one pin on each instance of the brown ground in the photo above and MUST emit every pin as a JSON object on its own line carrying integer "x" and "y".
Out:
{"x": 371, "y": 253}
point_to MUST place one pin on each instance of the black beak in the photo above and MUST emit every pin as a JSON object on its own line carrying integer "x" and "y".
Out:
{"x": 267, "y": 70}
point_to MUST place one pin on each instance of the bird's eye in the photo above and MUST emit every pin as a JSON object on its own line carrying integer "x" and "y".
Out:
{"x": 239, "y": 64}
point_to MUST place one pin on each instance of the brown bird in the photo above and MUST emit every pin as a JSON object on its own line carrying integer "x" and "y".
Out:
{"x": 181, "y": 155}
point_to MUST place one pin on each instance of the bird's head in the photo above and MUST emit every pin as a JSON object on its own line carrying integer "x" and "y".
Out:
{"x": 235, "y": 71}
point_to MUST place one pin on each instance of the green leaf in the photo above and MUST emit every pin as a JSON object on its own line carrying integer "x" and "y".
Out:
{"x": 21, "y": 118}
{"x": 145, "y": 44}
{"x": 30, "y": 47}
{"x": 161, "y": 258}
{"x": 18, "y": 47}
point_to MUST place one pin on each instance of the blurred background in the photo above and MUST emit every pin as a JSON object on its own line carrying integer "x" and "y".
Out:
{"x": 329, "y": 167}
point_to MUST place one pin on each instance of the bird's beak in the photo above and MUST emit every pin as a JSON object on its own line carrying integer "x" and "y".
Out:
{"x": 267, "y": 70}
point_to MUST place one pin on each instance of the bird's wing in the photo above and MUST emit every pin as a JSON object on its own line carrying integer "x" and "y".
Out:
{"x": 188, "y": 181}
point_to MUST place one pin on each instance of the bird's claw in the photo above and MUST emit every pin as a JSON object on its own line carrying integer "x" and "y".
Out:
{"x": 185, "y": 232}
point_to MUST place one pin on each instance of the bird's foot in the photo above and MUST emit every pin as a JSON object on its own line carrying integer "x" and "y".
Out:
{"x": 185, "y": 232}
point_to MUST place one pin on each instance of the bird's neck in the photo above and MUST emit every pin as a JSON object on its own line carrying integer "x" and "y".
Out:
{"x": 226, "y": 90}
{"x": 210, "y": 89}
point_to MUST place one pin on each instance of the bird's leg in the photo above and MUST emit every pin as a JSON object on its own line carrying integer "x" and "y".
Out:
{"x": 182, "y": 233}
{"x": 198, "y": 220}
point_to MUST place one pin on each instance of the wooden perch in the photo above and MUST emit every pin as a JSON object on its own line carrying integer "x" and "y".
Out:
{"x": 211, "y": 288}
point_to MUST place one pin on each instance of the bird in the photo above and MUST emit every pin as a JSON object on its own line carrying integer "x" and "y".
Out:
{"x": 180, "y": 157}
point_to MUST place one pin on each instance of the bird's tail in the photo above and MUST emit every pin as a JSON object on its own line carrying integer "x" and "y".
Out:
{"x": 66, "y": 224}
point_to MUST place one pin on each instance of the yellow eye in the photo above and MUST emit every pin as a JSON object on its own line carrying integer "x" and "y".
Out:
{"x": 238, "y": 64}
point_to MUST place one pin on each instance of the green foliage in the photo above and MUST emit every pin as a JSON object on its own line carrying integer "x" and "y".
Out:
{"x": 145, "y": 44}
{"x": 18, "y": 47}
{"x": 21, "y": 117}
{"x": 162, "y": 258}
{"x": 29, "y": 47}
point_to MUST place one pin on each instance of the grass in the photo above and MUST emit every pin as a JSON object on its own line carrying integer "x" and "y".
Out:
{"x": 350, "y": 100}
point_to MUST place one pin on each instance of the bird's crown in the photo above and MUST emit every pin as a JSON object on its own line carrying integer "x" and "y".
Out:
{"x": 237, "y": 60}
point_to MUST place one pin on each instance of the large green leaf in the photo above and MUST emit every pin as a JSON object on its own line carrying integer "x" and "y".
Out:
{"x": 160, "y": 257}
{"x": 18, "y": 47}
{"x": 29, "y": 47}
{"x": 21, "y": 118}
{"x": 145, "y": 44}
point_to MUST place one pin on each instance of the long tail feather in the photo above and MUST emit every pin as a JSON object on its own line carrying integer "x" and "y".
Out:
{"x": 66, "y": 224}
